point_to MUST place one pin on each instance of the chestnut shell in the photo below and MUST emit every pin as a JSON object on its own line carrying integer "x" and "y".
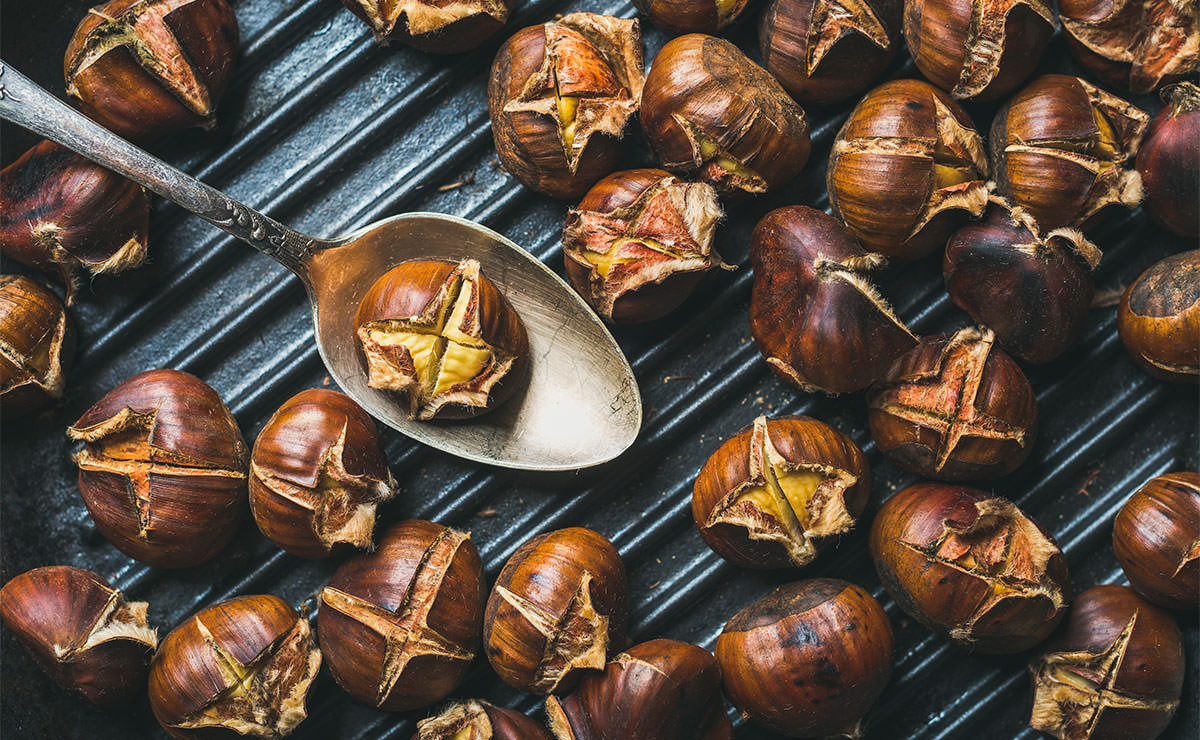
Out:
{"x": 1168, "y": 160}
{"x": 37, "y": 343}
{"x": 1159, "y": 318}
{"x": 1156, "y": 538}
{"x": 483, "y": 720}
{"x": 433, "y": 26}
{"x": 1132, "y": 45}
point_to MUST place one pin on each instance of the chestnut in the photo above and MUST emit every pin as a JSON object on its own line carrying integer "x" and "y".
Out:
{"x": 970, "y": 566}
{"x": 907, "y": 168}
{"x": 559, "y": 97}
{"x": 432, "y": 26}
{"x": 1134, "y": 45}
{"x": 825, "y": 53}
{"x": 712, "y": 114}
{"x": 1031, "y": 287}
{"x": 145, "y": 68}
{"x": 638, "y": 243}
{"x": 657, "y": 690}
{"x": 771, "y": 496}
{"x": 478, "y": 720}
{"x": 1063, "y": 150}
{"x": 1168, "y": 159}
{"x": 814, "y": 313}
{"x": 954, "y": 408}
{"x": 443, "y": 338}
{"x": 81, "y": 631}
{"x": 1159, "y": 318}
{"x": 64, "y": 215}
{"x": 808, "y": 659}
{"x": 1156, "y": 537}
{"x": 556, "y": 611}
{"x": 1115, "y": 673}
{"x": 243, "y": 666}
{"x": 36, "y": 345}
{"x": 317, "y": 474}
{"x": 399, "y": 626}
{"x": 691, "y": 16}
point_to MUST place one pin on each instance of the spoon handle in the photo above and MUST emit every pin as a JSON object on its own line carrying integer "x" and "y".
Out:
{"x": 26, "y": 104}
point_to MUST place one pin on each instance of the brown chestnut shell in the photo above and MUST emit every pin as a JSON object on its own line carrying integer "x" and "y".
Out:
{"x": 1159, "y": 318}
{"x": 1156, "y": 538}
{"x": 1132, "y": 45}
{"x": 480, "y": 721}
{"x": 1168, "y": 160}
{"x": 37, "y": 343}
{"x": 691, "y": 16}
{"x": 433, "y": 26}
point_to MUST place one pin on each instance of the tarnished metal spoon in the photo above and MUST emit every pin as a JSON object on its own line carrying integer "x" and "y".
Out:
{"x": 581, "y": 406}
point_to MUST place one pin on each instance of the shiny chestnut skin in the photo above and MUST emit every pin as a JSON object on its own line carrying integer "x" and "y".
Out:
{"x": 64, "y": 215}
{"x": 1159, "y": 318}
{"x": 712, "y": 114}
{"x": 556, "y": 611}
{"x": 81, "y": 631}
{"x": 808, "y": 659}
{"x": 656, "y": 690}
{"x": 774, "y": 494}
{"x": 145, "y": 68}
{"x": 36, "y": 346}
{"x": 1168, "y": 160}
{"x": 907, "y": 168}
{"x": 954, "y": 408}
{"x": 433, "y": 26}
{"x": 1031, "y": 287}
{"x": 823, "y": 57}
{"x": 638, "y": 243}
{"x": 691, "y": 16}
{"x": 163, "y": 468}
{"x": 479, "y": 720}
{"x": 399, "y": 626}
{"x": 970, "y": 566}
{"x": 1156, "y": 537}
{"x": 471, "y": 349}
{"x": 1114, "y": 673}
{"x": 1132, "y": 45}
{"x": 242, "y": 667}
{"x": 814, "y": 314}
{"x": 560, "y": 95}
{"x": 317, "y": 474}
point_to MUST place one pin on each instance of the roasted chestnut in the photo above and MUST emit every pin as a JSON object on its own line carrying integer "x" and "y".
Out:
{"x": 36, "y": 345}
{"x": 317, "y": 474}
{"x": 772, "y": 496}
{"x": 1159, "y": 318}
{"x": 823, "y": 52}
{"x": 556, "y": 611}
{"x": 400, "y": 626}
{"x": 711, "y": 113}
{"x": 1169, "y": 158}
{"x": 1063, "y": 150}
{"x": 1156, "y": 537}
{"x": 970, "y": 566}
{"x": 243, "y": 666}
{"x": 639, "y": 242}
{"x": 443, "y": 338}
{"x": 907, "y": 168}
{"x": 808, "y": 659}
{"x": 1134, "y": 45}
{"x": 478, "y": 720}
{"x": 81, "y": 631}
{"x": 64, "y": 214}
{"x": 433, "y": 26}
{"x": 1116, "y": 672}
{"x": 144, "y": 68}
{"x": 691, "y": 16}
{"x": 657, "y": 690}
{"x": 163, "y": 468}
{"x": 814, "y": 314}
{"x": 560, "y": 95}
{"x": 1031, "y": 287}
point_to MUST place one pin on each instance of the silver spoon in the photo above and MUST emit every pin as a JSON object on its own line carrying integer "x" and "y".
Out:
{"x": 581, "y": 406}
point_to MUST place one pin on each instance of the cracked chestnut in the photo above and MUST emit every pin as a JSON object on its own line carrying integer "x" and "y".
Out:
{"x": 430, "y": 25}
{"x": 1134, "y": 45}
{"x": 1156, "y": 537}
{"x": 557, "y": 611}
{"x": 479, "y": 720}
{"x": 1168, "y": 160}
{"x": 399, "y": 626}
{"x": 163, "y": 468}
{"x": 145, "y": 68}
{"x": 815, "y": 316}
{"x": 240, "y": 667}
{"x": 442, "y": 338}
{"x": 657, "y": 690}
{"x": 691, "y": 16}
{"x": 712, "y": 114}
{"x": 808, "y": 659}
{"x": 1063, "y": 150}
{"x": 36, "y": 345}
{"x": 970, "y": 566}
{"x": 1159, "y": 318}
{"x": 638, "y": 243}
{"x": 560, "y": 95}
{"x": 317, "y": 475}
{"x": 907, "y": 168}
{"x": 1115, "y": 673}
{"x": 81, "y": 631}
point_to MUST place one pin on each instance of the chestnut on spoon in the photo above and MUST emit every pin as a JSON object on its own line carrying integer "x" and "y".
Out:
{"x": 581, "y": 406}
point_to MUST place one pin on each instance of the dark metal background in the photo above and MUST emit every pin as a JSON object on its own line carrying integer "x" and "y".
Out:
{"x": 326, "y": 131}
